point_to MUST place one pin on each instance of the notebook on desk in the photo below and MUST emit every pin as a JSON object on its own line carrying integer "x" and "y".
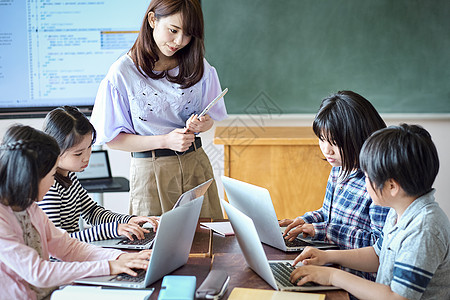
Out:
{"x": 97, "y": 176}
{"x": 147, "y": 242}
{"x": 171, "y": 249}
{"x": 275, "y": 273}
{"x": 255, "y": 202}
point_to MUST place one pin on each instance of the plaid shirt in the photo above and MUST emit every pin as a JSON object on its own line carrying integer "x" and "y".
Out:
{"x": 353, "y": 221}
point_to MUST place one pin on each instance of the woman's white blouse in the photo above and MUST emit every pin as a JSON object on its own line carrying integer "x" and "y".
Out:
{"x": 129, "y": 102}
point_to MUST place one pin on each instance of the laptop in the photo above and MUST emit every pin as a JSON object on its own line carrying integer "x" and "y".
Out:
{"x": 276, "y": 273}
{"x": 97, "y": 176}
{"x": 255, "y": 202}
{"x": 147, "y": 242}
{"x": 171, "y": 249}
{"x": 194, "y": 193}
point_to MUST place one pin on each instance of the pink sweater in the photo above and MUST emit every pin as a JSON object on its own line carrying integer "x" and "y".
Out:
{"x": 20, "y": 264}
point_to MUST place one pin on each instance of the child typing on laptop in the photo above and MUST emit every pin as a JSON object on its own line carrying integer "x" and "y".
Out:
{"x": 67, "y": 200}
{"x": 28, "y": 162}
{"x": 412, "y": 258}
{"x": 347, "y": 218}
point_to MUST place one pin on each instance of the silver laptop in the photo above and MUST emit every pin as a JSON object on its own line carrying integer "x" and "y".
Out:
{"x": 194, "y": 193}
{"x": 147, "y": 242}
{"x": 171, "y": 249}
{"x": 276, "y": 273}
{"x": 255, "y": 202}
{"x": 98, "y": 176}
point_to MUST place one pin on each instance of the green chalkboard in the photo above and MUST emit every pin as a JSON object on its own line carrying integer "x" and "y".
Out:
{"x": 285, "y": 56}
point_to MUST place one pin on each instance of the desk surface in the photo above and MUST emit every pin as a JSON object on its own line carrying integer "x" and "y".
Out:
{"x": 228, "y": 257}
{"x": 213, "y": 251}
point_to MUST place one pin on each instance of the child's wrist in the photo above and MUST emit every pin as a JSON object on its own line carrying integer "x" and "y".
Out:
{"x": 329, "y": 256}
{"x": 333, "y": 275}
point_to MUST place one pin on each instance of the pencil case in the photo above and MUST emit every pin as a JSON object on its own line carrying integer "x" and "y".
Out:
{"x": 214, "y": 285}
{"x": 177, "y": 287}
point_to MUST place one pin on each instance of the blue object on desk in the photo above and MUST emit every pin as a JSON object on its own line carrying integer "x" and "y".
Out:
{"x": 177, "y": 287}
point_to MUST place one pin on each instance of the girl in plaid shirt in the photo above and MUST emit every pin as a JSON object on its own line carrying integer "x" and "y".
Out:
{"x": 347, "y": 217}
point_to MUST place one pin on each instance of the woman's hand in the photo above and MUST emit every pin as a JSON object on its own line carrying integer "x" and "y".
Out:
{"x": 179, "y": 140}
{"x": 129, "y": 230}
{"x": 154, "y": 221}
{"x": 128, "y": 261}
{"x": 195, "y": 124}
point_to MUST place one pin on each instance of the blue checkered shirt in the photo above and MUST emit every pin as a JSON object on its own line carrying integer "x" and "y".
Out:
{"x": 353, "y": 221}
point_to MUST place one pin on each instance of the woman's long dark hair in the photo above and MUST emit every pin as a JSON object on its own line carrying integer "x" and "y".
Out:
{"x": 346, "y": 119}
{"x": 190, "y": 58}
{"x": 26, "y": 156}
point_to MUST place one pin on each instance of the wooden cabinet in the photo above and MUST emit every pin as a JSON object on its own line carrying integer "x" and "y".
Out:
{"x": 285, "y": 160}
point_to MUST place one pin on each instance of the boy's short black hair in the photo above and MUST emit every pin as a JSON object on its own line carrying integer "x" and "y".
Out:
{"x": 403, "y": 153}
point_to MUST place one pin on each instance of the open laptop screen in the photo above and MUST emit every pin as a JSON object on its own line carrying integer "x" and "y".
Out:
{"x": 98, "y": 168}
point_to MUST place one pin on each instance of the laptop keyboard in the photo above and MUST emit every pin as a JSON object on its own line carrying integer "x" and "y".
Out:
{"x": 148, "y": 237}
{"x": 126, "y": 277}
{"x": 296, "y": 243}
{"x": 282, "y": 271}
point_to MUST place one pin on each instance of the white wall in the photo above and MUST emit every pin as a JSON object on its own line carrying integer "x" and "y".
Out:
{"x": 437, "y": 125}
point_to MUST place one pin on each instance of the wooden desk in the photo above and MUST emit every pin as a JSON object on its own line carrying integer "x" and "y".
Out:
{"x": 226, "y": 255}
{"x": 196, "y": 266}
{"x": 213, "y": 251}
{"x": 200, "y": 258}
{"x": 233, "y": 262}
{"x": 285, "y": 160}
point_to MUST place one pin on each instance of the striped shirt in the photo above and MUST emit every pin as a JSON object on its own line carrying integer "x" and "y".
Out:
{"x": 64, "y": 206}
{"x": 414, "y": 251}
{"x": 348, "y": 218}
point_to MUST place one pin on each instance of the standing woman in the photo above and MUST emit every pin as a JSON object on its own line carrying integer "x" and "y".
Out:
{"x": 149, "y": 102}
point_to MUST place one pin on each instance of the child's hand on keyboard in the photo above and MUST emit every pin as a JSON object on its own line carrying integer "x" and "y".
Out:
{"x": 154, "y": 221}
{"x": 312, "y": 256}
{"x": 320, "y": 275}
{"x": 144, "y": 254}
{"x": 306, "y": 228}
{"x": 285, "y": 222}
{"x": 295, "y": 227}
{"x": 132, "y": 231}
{"x": 290, "y": 224}
{"x": 126, "y": 262}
